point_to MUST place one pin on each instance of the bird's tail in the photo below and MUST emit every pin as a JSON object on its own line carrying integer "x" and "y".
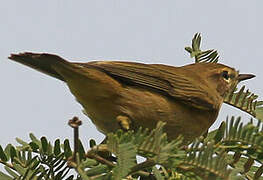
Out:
{"x": 42, "y": 62}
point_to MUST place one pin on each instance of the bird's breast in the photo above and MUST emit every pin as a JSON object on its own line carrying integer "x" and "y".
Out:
{"x": 146, "y": 108}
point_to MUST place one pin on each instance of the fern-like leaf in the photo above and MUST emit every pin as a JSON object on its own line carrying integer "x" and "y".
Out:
{"x": 244, "y": 145}
{"x": 204, "y": 162}
{"x": 156, "y": 145}
{"x": 37, "y": 159}
{"x": 208, "y": 56}
{"x": 125, "y": 153}
{"x": 245, "y": 101}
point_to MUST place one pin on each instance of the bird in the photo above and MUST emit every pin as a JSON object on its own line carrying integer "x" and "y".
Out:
{"x": 128, "y": 95}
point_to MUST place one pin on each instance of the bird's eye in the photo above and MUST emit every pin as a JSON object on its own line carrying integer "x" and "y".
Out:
{"x": 225, "y": 75}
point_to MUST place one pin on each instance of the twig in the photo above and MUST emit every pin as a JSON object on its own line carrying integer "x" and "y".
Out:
{"x": 75, "y": 123}
{"x": 103, "y": 148}
{"x": 143, "y": 165}
{"x": 7, "y": 164}
{"x": 100, "y": 159}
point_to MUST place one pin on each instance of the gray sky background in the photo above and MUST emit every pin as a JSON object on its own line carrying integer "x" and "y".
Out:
{"x": 135, "y": 30}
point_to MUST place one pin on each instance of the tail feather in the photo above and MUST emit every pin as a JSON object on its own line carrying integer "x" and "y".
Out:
{"x": 41, "y": 62}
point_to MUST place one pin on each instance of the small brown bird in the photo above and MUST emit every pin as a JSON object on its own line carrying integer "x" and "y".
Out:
{"x": 128, "y": 95}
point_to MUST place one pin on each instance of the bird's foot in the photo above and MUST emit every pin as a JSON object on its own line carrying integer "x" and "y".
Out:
{"x": 124, "y": 122}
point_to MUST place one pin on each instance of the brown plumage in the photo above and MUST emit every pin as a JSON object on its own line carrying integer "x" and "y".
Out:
{"x": 130, "y": 95}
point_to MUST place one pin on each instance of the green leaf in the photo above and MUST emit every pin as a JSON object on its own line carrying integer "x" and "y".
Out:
{"x": 157, "y": 174}
{"x": 188, "y": 49}
{"x": 57, "y": 149}
{"x": 34, "y": 146}
{"x": 89, "y": 163}
{"x": 100, "y": 169}
{"x": 5, "y": 176}
{"x": 245, "y": 101}
{"x": 208, "y": 56}
{"x": 81, "y": 151}
{"x": 67, "y": 149}
{"x": 19, "y": 169}
{"x": 11, "y": 172}
{"x": 3, "y": 156}
{"x": 34, "y": 139}
{"x": 49, "y": 149}
{"x": 126, "y": 156}
{"x": 259, "y": 113}
{"x": 156, "y": 144}
{"x": 82, "y": 174}
{"x": 44, "y": 144}
{"x": 13, "y": 152}
{"x": 220, "y": 133}
{"x": 20, "y": 141}
{"x": 259, "y": 173}
{"x": 35, "y": 163}
{"x": 30, "y": 161}
{"x": 125, "y": 153}
{"x": 92, "y": 143}
{"x": 207, "y": 160}
{"x": 7, "y": 151}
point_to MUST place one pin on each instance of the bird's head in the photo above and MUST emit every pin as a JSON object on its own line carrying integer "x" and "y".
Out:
{"x": 219, "y": 76}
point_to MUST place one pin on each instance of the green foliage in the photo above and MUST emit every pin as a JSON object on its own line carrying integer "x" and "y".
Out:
{"x": 37, "y": 159}
{"x": 243, "y": 145}
{"x": 245, "y": 101}
{"x": 126, "y": 153}
{"x": 205, "y": 162}
{"x": 233, "y": 151}
{"x": 152, "y": 145}
{"x": 208, "y": 56}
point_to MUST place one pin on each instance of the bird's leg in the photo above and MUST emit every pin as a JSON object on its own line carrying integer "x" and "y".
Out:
{"x": 124, "y": 122}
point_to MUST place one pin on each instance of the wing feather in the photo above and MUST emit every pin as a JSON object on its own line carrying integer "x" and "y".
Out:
{"x": 171, "y": 81}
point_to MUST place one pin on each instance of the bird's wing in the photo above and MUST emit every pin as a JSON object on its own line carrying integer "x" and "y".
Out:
{"x": 168, "y": 80}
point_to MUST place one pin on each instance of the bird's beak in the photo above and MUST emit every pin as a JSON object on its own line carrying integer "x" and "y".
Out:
{"x": 242, "y": 77}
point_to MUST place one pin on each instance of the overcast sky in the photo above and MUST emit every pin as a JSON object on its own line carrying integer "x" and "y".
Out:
{"x": 134, "y": 30}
